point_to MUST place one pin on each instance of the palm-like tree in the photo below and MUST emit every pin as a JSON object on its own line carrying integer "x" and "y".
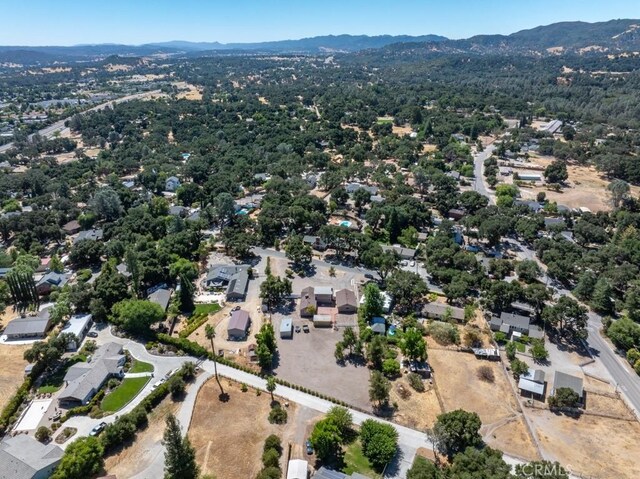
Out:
{"x": 210, "y": 333}
{"x": 271, "y": 386}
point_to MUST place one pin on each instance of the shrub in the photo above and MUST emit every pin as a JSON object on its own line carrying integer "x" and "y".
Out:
{"x": 195, "y": 322}
{"x": 415, "y": 381}
{"x": 271, "y": 458}
{"x": 510, "y": 348}
{"x": 270, "y": 473}
{"x": 500, "y": 337}
{"x": 391, "y": 368}
{"x": 244, "y": 388}
{"x": 485, "y": 373}
{"x": 277, "y": 415}
{"x": 273, "y": 442}
{"x": 443, "y": 333}
{"x": 564, "y": 397}
{"x": 43, "y": 434}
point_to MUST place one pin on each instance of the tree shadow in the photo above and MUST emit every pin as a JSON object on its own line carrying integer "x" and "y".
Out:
{"x": 393, "y": 467}
{"x": 224, "y": 397}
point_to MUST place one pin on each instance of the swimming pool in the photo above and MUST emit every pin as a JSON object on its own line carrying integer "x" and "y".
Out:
{"x": 345, "y": 224}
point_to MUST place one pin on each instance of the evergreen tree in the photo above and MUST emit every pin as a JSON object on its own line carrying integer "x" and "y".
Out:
{"x": 179, "y": 457}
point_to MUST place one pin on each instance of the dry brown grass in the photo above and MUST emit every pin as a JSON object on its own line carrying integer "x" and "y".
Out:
{"x": 456, "y": 376}
{"x": 12, "y": 370}
{"x": 188, "y": 91}
{"x": 586, "y": 187}
{"x": 134, "y": 459}
{"x": 228, "y": 436}
{"x": 418, "y": 410}
{"x": 592, "y": 446}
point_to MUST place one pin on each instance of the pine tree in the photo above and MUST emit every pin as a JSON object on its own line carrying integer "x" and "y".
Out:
{"x": 179, "y": 457}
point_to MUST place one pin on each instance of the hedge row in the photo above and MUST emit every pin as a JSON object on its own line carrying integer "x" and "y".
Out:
{"x": 194, "y": 349}
{"x": 83, "y": 410}
{"x": 194, "y": 324}
{"x": 9, "y": 412}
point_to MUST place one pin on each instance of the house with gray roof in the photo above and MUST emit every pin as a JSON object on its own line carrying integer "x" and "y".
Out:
{"x": 404, "y": 253}
{"x": 510, "y": 323}
{"x": 564, "y": 380}
{"x": 22, "y": 457}
{"x": 161, "y": 297}
{"x": 238, "y": 324}
{"x": 237, "y": 287}
{"x": 324, "y": 473}
{"x": 308, "y": 303}
{"x": 315, "y": 242}
{"x": 532, "y": 384}
{"x": 84, "y": 380}
{"x": 353, "y": 187}
{"x": 91, "y": 235}
{"x": 72, "y": 227}
{"x": 28, "y": 327}
{"x": 219, "y": 275}
{"x": 346, "y": 301}
{"x": 172, "y": 184}
{"x": 441, "y": 311}
{"x": 51, "y": 280}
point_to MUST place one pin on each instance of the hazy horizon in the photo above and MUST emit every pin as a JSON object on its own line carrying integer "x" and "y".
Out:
{"x": 70, "y": 22}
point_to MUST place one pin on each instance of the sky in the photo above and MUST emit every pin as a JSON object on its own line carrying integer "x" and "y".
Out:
{"x": 71, "y": 22}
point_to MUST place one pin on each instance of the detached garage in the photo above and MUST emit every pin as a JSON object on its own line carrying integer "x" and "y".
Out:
{"x": 238, "y": 325}
{"x": 286, "y": 328}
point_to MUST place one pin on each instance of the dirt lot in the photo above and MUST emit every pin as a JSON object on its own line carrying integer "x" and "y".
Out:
{"x": 401, "y": 130}
{"x": 419, "y": 410}
{"x": 308, "y": 360}
{"x": 235, "y": 429}
{"x": 586, "y": 187}
{"x": 12, "y": 370}
{"x": 133, "y": 459}
{"x": 188, "y": 91}
{"x": 459, "y": 388}
{"x": 592, "y": 446}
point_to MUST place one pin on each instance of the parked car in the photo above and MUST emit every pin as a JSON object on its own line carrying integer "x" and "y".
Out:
{"x": 412, "y": 264}
{"x": 305, "y": 328}
{"x": 237, "y": 308}
{"x": 92, "y": 334}
{"x": 297, "y": 329}
{"x": 368, "y": 276}
{"x": 309, "y": 447}
{"x": 98, "y": 429}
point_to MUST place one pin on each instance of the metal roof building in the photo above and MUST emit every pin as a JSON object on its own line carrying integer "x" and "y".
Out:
{"x": 22, "y": 457}
{"x": 238, "y": 324}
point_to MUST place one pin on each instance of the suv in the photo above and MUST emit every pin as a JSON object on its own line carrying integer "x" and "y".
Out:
{"x": 309, "y": 447}
{"x": 98, "y": 429}
{"x": 92, "y": 334}
{"x": 305, "y": 328}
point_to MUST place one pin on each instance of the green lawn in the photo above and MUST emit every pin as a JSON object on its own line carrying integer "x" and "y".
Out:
{"x": 356, "y": 462}
{"x": 54, "y": 382}
{"x": 206, "y": 308}
{"x": 141, "y": 367}
{"x": 520, "y": 347}
{"x": 383, "y": 120}
{"x": 119, "y": 397}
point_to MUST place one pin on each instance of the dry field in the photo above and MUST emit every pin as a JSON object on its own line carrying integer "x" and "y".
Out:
{"x": 419, "y": 410}
{"x": 187, "y": 91}
{"x": 586, "y": 187}
{"x": 401, "y": 130}
{"x": 135, "y": 458}
{"x": 591, "y": 445}
{"x": 263, "y": 100}
{"x": 228, "y": 436}
{"x": 503, "y": 427}
{"x": 429, "y": 148}
{"x": 12, "y": 371}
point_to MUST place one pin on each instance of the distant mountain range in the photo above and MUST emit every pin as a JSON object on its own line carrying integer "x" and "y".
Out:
{"x": 558, "y": 38}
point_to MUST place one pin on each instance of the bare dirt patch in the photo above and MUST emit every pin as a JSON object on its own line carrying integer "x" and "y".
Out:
{"x": 187, "y": 91}
{"x": 585, "y": 187}
{"x": 134, "y": 459}
{"x": 403, "y": 130}
{"x": 12, "y": 370}
{"x": 228, "y": 436}
{"x": 457, "y": 382}
{"x": 419, "y": 410}
{"x": 592, "y": 446}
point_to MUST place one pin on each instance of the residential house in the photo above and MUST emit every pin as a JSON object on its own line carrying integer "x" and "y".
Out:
{"x": 456, "y": 214}
{"x": 387, "y": 302}
{"x": 220, "y": 275}
{"x": 123, "y": 270}
{"x": 315, "y": 242}
{"x": 324, "y": 473}
{"x": 442, "y": 311}
{"x": 286, "y": 328}
{"x": 353, "y": 187}
{"x": 172, "y": 184}
{"x": 177, "y": 210}
{"x": 237, "y": 287}
{"x": 28, "y": 327}
{"x": 262, "y": 177}
{"x": 564, "y": 380}
{"x": 532, "y": 384}
{"x": 533, "y": 177}
{"x": 404, "y": 253}
{"x": 346, "y": 302}
{"x": 552, "y": 127}
{"x": 78, "y": 325}
{"x": 324, "y": 295}
{"x": 161, "y": 297}
{"x": 128, "y": 184}
{"x": 515, "y": 324}
{"x": 45, "y": 261}
{"x": 308, "y": 303}
{"x": 505, "y": 170}
{"x": 453, "y": 174}
{"x": 238, "y": 325}
{"x": 23, "y": 457}
{"x": 84, "y": 380}
{"x": 91, "y": 235}
{"x": 555, "y": 223}
{"x": 376, "y": 199}
{"x": 72, "y": 227}
{"x": 51, "y": 280}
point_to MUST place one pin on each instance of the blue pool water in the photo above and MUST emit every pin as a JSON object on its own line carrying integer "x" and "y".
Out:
{"x": 345, "y": 224}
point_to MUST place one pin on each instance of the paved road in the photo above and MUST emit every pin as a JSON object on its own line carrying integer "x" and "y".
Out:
{"x": 58, "y": 126}
{"x": 624, "y": 377}
{"x": 479, "y": 183}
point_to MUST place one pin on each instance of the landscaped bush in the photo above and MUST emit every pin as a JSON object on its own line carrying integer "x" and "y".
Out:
{"x": 277, "y": 415}
{"x": 273, "y": 442}
{"x": 195, "y": 322}
{"x": 271, "y": 458}
{"x": 415, "y": 381}
{"x": 443, "y": 333}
